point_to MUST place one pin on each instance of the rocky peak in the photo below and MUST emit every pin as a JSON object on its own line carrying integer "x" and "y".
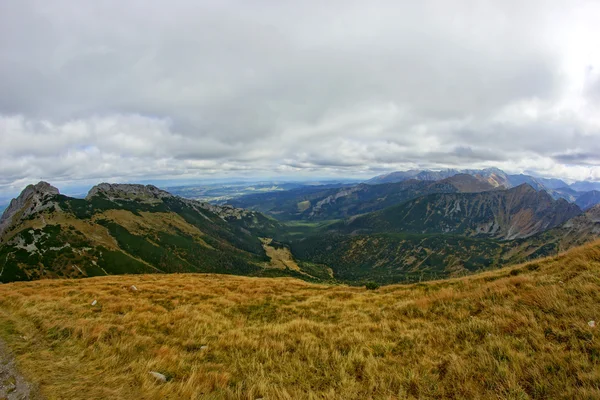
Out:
{"x": 524, "y": 188}
{"x": 125, "y": 191}
{"x": 31, "y": 200}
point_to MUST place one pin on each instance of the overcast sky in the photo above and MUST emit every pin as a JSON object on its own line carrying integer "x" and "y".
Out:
{"x": 132, "y": 90}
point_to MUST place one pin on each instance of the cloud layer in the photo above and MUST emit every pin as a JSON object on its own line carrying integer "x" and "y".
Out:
{"x": 151, "y": 89}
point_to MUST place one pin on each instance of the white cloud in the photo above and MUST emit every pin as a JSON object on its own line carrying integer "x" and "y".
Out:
{"x": 152, "y": 89}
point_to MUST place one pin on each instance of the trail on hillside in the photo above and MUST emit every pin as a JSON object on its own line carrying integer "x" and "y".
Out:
{"x": 12, "y": 384}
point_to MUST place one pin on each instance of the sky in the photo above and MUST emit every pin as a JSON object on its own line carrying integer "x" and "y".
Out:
{"x": 127, "y": 91}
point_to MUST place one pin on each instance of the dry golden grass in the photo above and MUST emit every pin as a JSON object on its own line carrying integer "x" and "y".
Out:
{"x": 516, "y": 333}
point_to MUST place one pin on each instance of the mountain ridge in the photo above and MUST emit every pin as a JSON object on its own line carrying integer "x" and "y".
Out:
{"x": 504, "y": 214}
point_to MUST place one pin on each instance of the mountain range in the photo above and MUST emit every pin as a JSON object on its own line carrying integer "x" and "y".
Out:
{"x": 128, "y": 229}
{"x": 501, "y": 214}
{"x": 402, "y": 231}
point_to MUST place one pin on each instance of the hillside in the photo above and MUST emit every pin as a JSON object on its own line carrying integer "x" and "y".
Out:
{"x": 409, "y": 257}
{"x": 328, "y": 204}
{"x": 501, "y": 214}
{"x": 120, "y": 229}
{"x": 519, "y": 332}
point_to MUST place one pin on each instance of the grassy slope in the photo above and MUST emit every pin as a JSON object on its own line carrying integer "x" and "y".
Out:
{"x": 100, "y": 237}
{"x": 515, "y": 333}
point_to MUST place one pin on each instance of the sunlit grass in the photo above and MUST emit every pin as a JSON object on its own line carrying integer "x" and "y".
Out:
{"x": 519, "y": 332}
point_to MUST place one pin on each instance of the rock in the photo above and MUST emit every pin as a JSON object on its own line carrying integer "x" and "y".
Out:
{"x": 159, "y": 377}
{"x": 33, "y": 199}
{"x": 133, "y": 288}
{"x": 148, "y": 193}
{"x": 203, "y": 347}
{"x": 592, "y": 324}
{"x": 94, "y": 302}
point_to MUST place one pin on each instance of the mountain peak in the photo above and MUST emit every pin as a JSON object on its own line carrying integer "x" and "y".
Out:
{"x": 468, "y": 183}
{"x": 29, "y": 202}
{"x": 523, "y": 189}
{"x": 125, "y": 191}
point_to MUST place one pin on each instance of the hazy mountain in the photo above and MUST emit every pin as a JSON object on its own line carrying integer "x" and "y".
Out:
{"x": 502, "y": 214}
{"x": 588, "y": 199}
{"x": 494, "y": 176}
{"x": 585, "y": 186}
{"x": 552, "y": 183}
{"x": 564, "y": 192}
{"x": 516, "y": 180}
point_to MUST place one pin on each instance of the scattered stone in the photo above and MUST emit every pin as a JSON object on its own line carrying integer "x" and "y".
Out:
{"x": 561, "y": 282}
{"x": 159, "y": 377}
{"x": 94, "y": 302}
{"x": 203, "y": 347}
{"x": 592, "y": 324}
{"x": 133, "y": 288}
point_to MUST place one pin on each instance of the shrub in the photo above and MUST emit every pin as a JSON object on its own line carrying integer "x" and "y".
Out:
{"x": 372, "y": 286}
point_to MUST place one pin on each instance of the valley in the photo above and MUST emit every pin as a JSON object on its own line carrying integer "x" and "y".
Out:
{"x": 407, "y": 231}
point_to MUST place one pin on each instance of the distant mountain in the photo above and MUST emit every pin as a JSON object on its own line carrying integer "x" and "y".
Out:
{"x": 552, "y": 183}
{"x": 311, "y": 204}
{"x": 502, "y": 214}
{"x": 588, "y": 199}
{"x": 494, "y": 176}
{"x": 585, "y": 186}
{"x": 516, "y": 180}
{"x": 131, "y": 229}
{"x": 564, "y": 192}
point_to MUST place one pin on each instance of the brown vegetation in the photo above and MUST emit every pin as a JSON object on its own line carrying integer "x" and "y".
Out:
{"x": 519, "y": 332}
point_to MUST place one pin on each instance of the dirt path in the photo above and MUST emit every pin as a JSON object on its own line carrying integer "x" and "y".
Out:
{"x": 12, "y": 385}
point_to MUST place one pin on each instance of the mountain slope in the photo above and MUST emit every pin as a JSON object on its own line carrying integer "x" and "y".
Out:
{"x": 348, "y": 201}
{"x": 503, "y": 214}
{"x": 128, "y": 229}
{"x": 523, "y": 332}
{"x": 409, "y": 257}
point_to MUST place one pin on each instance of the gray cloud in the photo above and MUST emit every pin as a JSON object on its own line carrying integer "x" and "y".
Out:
{"x": 153, "y": 89}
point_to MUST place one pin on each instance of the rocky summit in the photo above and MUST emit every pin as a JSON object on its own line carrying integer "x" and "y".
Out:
{"x": 32, "y": 200}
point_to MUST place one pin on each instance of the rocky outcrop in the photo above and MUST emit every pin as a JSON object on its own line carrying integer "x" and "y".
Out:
{"x": 33, "y": 199}
{"x": 125, "y": 191}
{"x": 152, "y": 194}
